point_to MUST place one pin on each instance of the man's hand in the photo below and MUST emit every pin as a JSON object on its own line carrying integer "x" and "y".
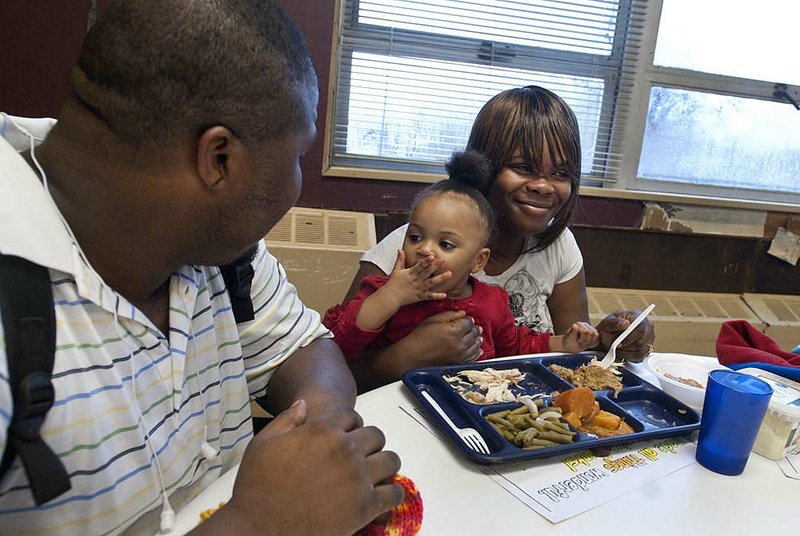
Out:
{"x": 637, "y": 345}
{"x": 322, "y": 476}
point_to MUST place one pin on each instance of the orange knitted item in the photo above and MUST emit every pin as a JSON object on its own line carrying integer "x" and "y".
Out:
{"x": 405, "y": 519}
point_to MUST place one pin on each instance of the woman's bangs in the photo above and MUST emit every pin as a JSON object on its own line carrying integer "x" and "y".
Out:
{"x": 564, "y": 148}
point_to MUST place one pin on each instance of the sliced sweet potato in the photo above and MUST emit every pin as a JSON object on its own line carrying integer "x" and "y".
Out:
{"x": 599, "y": 431}
{"x": 625, "y": 428}
{"x": 606, "y": 420}
{"x": 595, "y": 411}
{"x": 573, "y": 419}
{"x": 579, "y": 400}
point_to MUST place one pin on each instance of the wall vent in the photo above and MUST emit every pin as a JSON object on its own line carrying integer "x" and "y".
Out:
{"x": 685, "y": 322}
{"x": 320, "y": 251}
{"x": 314, "y": 228}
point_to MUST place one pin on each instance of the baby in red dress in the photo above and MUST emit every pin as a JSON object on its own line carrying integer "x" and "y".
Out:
{"x": 448, "y": 231}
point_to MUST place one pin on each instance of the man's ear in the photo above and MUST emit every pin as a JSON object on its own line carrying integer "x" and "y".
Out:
{"x": 481, "y": 259}
{"x": 219, "y": 154}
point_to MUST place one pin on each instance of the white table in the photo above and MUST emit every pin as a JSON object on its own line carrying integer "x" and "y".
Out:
{"x": 459, "y": 499}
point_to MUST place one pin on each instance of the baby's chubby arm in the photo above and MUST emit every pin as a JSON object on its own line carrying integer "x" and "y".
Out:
{"x": 404, "y": 287}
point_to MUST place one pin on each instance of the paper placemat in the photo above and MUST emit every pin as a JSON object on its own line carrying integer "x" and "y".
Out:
{"x": 560, "y": 488}
{"x": 564, "y": 486}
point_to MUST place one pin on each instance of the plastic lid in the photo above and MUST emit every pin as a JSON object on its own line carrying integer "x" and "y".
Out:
{"x": 742, "y": 383}
{"x": 786, "y": 393}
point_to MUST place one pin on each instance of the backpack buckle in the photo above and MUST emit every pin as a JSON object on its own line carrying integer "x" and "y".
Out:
{"x": 34, "y": 400}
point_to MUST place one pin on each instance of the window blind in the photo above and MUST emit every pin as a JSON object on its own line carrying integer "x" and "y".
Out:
{"x": 411, "y": 75}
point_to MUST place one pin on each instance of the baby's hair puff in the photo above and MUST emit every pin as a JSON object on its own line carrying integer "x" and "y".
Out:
{"x": 470, "y": 168}
{"x": 469, "y": 172}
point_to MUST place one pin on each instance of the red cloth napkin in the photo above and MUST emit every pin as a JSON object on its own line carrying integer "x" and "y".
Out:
{"x": 741, "y": 342}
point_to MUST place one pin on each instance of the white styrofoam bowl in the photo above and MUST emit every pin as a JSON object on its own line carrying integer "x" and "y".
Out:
{"x": 694, "y": 367}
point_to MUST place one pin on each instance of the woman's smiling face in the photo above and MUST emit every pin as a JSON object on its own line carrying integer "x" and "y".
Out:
{"x": 524, "y": 199}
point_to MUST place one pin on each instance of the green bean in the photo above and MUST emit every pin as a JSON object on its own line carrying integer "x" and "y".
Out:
{"x": 553, "y": 436}
{"x": 527, "y": 435}
{"x": 518, "y": 421}
{"x": 529, "y": 427}
{"x": 558, "y": 425}
{"x": 528, "y": 421}
{"x": 538, "y": 424}
{"x": 506, "y": 426}
{"x": 504, "y": 432}
{"x": 539, "y": 443}
{"x": 555, "y": 427}
{"x": 520, "y": 410}
{"x": 508, "y": 436}
{"x": 495, "y": 417}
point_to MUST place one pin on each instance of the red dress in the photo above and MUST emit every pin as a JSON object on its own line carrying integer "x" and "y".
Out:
{"x": 488, "y": 305}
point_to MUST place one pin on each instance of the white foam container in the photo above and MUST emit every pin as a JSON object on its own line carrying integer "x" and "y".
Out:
{"x": 779, "y": 432}
{"x": 693, "y": 367}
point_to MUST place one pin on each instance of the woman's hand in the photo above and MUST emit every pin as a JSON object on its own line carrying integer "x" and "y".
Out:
{"x": 637, "y": 345}
{"x": 446, "y": 338}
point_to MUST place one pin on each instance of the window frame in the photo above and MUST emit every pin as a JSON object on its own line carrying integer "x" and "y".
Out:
{"x": 626, "y": 136}
{"x": 649, "y": 75}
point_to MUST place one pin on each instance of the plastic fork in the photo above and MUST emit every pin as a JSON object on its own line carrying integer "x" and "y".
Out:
{"x": 469, "y": 436}
{"x": 611, "y": 356}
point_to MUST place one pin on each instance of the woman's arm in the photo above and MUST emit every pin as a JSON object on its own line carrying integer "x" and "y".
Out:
{"x": 446, "y": 338}
{"x": 568, "y": 304}
{"x": 365, "y": 269}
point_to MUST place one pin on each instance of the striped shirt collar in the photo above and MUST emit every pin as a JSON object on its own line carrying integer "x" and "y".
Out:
{"x": 30, "y": 226}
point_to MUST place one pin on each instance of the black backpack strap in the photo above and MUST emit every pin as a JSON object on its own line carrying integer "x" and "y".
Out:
{"x": 26, "y": 303}
{"x": 238, "y": 277}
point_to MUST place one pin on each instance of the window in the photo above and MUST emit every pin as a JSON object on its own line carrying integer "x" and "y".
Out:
{"x": 719, "y": 113}
{"x": 677, "y": 96}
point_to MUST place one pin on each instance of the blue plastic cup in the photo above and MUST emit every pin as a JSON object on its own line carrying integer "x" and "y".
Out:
{"x": 734, "y": 407}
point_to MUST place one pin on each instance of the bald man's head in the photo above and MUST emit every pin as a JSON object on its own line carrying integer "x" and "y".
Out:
{"x": 153, "y": 70}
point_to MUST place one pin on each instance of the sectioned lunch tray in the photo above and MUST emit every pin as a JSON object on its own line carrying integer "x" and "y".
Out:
{"x": 647, "y": 409}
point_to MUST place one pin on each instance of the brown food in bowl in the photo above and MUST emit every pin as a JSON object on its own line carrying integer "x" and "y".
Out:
{"x": 685, "y": 381}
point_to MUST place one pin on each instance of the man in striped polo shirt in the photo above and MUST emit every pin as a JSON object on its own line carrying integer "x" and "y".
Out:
{"x": 176, "y": 151}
